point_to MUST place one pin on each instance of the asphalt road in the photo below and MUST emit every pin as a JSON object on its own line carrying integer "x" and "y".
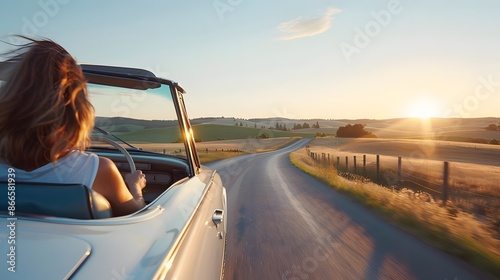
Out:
{"x": 284, "y": 224}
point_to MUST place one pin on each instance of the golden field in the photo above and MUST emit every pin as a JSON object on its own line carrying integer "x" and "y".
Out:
{"x": 477, "y": 164}
{"x": 457, "y": 232}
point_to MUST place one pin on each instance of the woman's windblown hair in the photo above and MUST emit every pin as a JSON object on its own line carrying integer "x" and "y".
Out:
{"x": 44, "y": 107}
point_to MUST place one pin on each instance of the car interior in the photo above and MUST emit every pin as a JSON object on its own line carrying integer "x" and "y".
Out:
{"x": 161, "y": 171}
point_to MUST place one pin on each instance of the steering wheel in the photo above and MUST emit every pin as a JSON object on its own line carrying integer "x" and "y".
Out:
{"x": 120, "y": 148}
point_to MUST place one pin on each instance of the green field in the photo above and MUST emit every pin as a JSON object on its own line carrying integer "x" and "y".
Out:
{"x": 212, "y": 132}
{"x": 205, "y": 132}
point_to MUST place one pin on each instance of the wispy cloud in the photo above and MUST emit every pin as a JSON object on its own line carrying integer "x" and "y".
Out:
{"x": 301, "y": 27}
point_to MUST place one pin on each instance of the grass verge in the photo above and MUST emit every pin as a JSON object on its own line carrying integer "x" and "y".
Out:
{"x": 455, "y": 232}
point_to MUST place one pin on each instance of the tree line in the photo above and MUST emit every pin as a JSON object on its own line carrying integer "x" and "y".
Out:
{"x": 493, "y": 127}
{"x": 354, "y": 131}
{"x": 283, "y": 127}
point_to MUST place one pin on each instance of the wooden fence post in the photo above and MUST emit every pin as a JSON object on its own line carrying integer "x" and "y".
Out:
{"x": 354, "y": 165}
{"x": 378, "y": 168}
{"x": 338, "y": 165}
{"x": 364, "y": 164}
{"x": 399, "y": 168}
{"x": 346, "y": 164}
{"x": 446, "y": 174}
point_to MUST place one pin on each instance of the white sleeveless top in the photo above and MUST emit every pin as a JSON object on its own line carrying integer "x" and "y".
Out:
{"x": 74, "y": 168}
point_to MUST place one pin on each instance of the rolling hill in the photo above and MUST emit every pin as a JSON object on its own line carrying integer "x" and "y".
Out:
{"x": 205, "y": 132}
{"x": 216, "y": 128}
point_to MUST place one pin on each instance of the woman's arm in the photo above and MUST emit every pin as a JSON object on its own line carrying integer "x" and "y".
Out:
{"x": 110, "y": 184}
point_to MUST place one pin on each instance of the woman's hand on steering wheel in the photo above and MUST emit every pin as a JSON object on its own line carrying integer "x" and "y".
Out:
{"x": 136, "y": 181}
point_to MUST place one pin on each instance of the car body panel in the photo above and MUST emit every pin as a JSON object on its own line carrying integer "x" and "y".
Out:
{"x": 67, "y": 253}
{"x": 204, "y": 243}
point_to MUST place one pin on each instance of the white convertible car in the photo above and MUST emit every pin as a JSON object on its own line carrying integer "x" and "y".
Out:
{"x": 61, "y": 231}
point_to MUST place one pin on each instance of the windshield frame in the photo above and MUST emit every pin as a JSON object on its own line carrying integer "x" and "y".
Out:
{"x": 139, "y": 79}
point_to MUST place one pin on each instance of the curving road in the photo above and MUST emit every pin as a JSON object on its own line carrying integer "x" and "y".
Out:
{"x": 284, "y": 224}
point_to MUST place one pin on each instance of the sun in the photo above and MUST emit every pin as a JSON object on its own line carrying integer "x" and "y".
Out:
{"x": 424, "y": 108}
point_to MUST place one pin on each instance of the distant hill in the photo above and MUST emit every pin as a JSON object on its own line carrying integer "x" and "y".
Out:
{"x": 211, "y": 132}
{"x": 205, "y": 132}
{"x": 153, "y": 135}
{"x": 213, "y": 128}
{"x": 116, "y": 122}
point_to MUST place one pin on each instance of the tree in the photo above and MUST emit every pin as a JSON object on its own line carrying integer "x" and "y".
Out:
{"x": 354, "y": 131}
{"x": 305, "y": 125}
{"x": 492, "y": 127}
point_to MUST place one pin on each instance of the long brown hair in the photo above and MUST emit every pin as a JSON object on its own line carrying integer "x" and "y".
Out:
{"x": 44, "y": 107}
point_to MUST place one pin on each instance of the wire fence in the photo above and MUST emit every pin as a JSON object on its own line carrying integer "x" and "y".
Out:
{"x": 434, "y": 181}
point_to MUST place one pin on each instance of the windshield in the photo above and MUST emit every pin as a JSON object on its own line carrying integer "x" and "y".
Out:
{"x": 146, "y": 119}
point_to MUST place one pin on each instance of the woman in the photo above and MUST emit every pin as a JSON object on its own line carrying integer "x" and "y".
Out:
{"x": 45, "y": 122}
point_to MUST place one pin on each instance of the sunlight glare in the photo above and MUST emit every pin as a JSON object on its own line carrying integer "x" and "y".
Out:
{"x": 424, "y": 108}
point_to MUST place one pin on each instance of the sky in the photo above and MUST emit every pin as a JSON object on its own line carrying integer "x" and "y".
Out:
{"x": 300, "y": 59}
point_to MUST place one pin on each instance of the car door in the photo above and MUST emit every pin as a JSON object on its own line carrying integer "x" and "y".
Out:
{"x": 200, "y": 253}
